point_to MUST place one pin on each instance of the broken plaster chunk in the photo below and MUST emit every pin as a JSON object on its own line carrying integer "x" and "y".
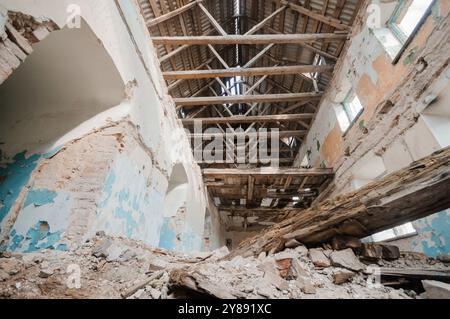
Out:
{"x": 101, "y": 249}
{"x": 346, "y": 259}
{"x": 318, "y": 258}
{"x": 342, "y": 276}
{"x": 293, "y": 243}
{"x": 305, "y": 286}
{"x": 10, "y": 266}
{"x": 436, "y": 289}
{"x": 41, "y": 33}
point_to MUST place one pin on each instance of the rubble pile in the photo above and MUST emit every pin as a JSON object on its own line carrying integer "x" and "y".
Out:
{"x": 107, "y": 267}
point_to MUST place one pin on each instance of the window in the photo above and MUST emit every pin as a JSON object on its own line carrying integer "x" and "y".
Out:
{"x": 411, "y": 18}
{"x": 348, "y": 111}
{"x": 404, "y": 23}
{"x": 393, "y": 233}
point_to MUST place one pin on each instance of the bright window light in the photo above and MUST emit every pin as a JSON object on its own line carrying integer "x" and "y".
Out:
{"x": 413, "y": 15}
{"x": 342, "y": 118}
{"x": 348, "y": 111}
{"x": 393, "y": 233}
{"x": 354, "y": 107}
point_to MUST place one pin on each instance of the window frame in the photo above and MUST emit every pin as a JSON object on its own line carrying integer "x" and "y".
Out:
{"x": 345, "y": 105}
{"x": 399, "y": 34}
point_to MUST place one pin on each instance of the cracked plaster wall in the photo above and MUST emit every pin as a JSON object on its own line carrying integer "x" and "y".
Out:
{"x": 394, "y": 125}
{"x": 111, "y": 172}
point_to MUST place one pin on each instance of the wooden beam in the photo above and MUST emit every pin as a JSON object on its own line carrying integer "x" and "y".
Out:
{"x": 263, "y": 22}
{"x": 414, "y": 192}
{"x": 248, "y": 119}
{"x": 247, "y": 72}
{"x": 211, "y": 19}
{"x": 316, "y": 16}
{"x": 250, "y": 186}
{"x": 266, "y": 98}
{"x": 171, "y": 14}
{"x": 265, "y": 171}
{"x": 297, "y": 133}
{"x": 250, "y": 39}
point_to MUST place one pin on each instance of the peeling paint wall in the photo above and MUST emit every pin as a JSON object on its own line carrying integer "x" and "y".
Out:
{"x": 111, "y": 171}
{"x": 394, "y": 127}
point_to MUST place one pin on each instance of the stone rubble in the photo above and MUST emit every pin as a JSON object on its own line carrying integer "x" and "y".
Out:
{"x": 122, "y": 268}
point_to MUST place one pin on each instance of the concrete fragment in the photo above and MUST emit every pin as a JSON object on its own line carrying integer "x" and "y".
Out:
{"x": 221, "y": 252}
{"x": 318, "y": 258}
{"x": 10, "y": 266}
{"x": 156, "y": 294}
{"x": 272, "y": 276}
{"x": 41, "y": 33}
{"x": 127, "y": 255}
{"x": 292, "y": 243}
{"x": 157, "y": 264}
{"x": 436, "y": 289}
{"x": 46, "y": 270}
{"x": 3, "y": 275}
{"x": 305, "y": 286}
{"x": 343, "y": 276}
{"x": 101, "y": 249}
{"x": 301, "y": 250}
{"x": 113, "y": 252}
{"x": 346, "y": 259}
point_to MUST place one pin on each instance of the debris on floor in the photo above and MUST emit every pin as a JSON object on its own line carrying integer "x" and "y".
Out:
{"x": 110, "y": 267}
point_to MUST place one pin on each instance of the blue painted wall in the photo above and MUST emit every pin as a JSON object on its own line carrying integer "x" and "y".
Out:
{"x": 433, "y": 234}
{"x": 13, "y": 178}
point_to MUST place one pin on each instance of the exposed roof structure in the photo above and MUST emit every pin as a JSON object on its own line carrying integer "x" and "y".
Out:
{"x": 246, "y": 65}
{"x": 272, "y": 54}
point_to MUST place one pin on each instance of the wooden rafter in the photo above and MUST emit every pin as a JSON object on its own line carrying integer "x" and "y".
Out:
{"x": 171, "y": 14}
{"x": 217, "y": 100}
{"x": 248, "y": 119}
{"x": 281, "y": 134}
{"x": 280, "y": 70}
{"x": 251, "y": 39}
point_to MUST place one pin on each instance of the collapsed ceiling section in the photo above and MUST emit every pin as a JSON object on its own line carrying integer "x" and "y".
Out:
{"x": 249, "y": 64}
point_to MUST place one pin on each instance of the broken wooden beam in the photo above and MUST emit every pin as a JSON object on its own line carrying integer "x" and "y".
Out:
{"x": 250, "y": 39}
{"x": 419, "y": 190}
{"x": 234, "y": 99}
{"x": 225, "y": 73}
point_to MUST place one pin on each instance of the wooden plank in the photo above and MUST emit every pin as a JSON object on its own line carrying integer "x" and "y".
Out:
{"x": 248, "y": 119}
{"x": 316, "y": 16}
{"x": 266, "y": 171}
{"x": 263, "y": 22}
{"x": 250, "y": 39}
{"x": 211, "y": 19}
{"x": 298, "y": 133}
{"x": 414, "y": 192}
{"x": 250, "y": 187}
{"x": 267, "y": 98}
{"x": 171, "y": 14}
{"x": 247, "y": 72}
